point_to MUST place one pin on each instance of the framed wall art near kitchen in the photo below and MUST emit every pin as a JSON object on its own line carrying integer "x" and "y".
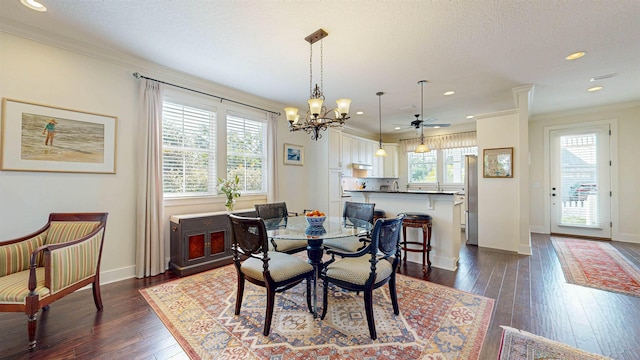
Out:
{"x": 38, "y": 137}
{"x": 498, "y": 163}
{"x": 293, "y": 154}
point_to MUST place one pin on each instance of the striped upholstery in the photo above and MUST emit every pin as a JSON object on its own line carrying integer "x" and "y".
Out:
{"x": 17, "y": 255}
{"x": 14, "y": 288}
{"x": 357, "y": 270}
{"x": 64, "y": 231}
{"x": 281, "y": 267}
{"x": 72, "y": 264}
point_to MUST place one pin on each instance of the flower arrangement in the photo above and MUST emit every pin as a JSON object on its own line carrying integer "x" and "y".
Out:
{"x": 231, "y": 188}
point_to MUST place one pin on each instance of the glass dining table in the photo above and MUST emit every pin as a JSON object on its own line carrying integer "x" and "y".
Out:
{"x": 297, "y": 228}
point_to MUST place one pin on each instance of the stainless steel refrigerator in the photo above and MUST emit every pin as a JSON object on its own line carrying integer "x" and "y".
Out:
{"x": 471, "y": 199}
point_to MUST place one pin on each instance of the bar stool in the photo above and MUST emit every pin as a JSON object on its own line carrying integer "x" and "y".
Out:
{"x": 423, "y": 221}
{"x": 378, "y": 214}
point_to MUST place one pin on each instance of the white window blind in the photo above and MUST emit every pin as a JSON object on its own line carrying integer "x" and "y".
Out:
{"x": 247, "y": 152}
{"x": 188, "y": 149}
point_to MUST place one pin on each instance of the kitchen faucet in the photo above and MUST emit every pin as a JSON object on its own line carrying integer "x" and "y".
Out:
{"x": 395, "y": 185}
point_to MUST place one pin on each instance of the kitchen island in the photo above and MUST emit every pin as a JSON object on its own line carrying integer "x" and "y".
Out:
{"x": 444, "y": 208}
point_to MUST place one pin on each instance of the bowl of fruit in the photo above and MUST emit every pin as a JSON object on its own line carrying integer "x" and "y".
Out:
{"x": 315, "y": 218}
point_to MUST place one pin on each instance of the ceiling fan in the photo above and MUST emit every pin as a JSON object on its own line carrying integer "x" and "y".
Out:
{"x": 417, "y": 123}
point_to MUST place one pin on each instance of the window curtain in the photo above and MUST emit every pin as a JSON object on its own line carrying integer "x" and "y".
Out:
{"x": 272, "y": 158}
{"x": 150, "y": 258}
{"x": 448, "y": 141}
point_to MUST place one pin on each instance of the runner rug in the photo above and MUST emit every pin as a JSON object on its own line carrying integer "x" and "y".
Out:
{"x": 435, "y": 322}
{"x": 597, "y": 264}
{"x": 521, "y": 345}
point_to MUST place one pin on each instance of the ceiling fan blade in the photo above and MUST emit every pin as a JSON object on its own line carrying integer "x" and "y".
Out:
{"x": 436, "y": 125}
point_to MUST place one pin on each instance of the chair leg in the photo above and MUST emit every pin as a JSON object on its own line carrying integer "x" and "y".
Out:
{"x": 309, "y": 304}
{"x": 97, "y": 299}
{"x": 368, "y": 307}
{"x": 394, "y": 295}
{"x": 240, "y": 293}
{"x": 325, "y": 297}
{"x": 271, "y": 299}
{"x": 31, "y": 327}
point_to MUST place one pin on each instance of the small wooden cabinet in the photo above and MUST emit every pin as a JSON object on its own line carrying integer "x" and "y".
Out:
{"x": 201, "y": 242}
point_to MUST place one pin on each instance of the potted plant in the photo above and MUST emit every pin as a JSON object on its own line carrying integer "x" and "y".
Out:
{"x": 231, "y": 189}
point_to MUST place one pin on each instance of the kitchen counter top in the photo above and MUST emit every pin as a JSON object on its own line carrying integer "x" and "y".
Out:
{"x": 406, "y": 192}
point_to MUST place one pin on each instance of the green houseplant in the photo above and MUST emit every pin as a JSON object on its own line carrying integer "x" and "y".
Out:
{"x": 231, "y": 189}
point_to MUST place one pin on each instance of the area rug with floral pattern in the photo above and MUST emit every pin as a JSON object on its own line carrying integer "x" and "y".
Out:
{"x": 597, "y": 264}
{"x": 521, "y": 345}
{"x": 435, "y": 322}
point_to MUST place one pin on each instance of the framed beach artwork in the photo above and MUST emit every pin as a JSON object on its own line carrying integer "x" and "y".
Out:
{"x": 498, "y": 163}
{"x": 293, "y": 154}
{"x": 39, "y": 137}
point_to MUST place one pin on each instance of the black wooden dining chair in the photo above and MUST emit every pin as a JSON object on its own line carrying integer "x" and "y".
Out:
{"x": 353, "y": 213}
{"x": 275, "y": 215}
{"x": 367, "y": 269}
{"x": 272, "y": 270}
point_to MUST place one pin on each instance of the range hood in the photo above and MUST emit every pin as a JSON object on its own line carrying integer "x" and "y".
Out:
{"x": 361, "y": 166}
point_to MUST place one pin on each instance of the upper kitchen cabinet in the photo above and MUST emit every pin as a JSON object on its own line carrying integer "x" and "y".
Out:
{"x": 346, "y": 155}
{"x": 386, "y": 166}
{"x": 390, "y": 162}
{"x": 335, "y": 153}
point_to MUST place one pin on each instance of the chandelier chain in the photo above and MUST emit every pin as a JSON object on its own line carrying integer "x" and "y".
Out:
{"x": 310, "y": 69}
{"x": 321, "y": 67}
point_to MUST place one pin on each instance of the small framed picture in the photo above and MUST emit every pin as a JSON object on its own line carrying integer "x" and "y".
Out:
{"x": 38, "y": 137}
{"x": 498, "y": 163}
{"x": 293, "y": 154}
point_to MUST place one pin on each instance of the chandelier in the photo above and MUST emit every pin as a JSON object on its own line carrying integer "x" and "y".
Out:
{"x": 317, "y": 117}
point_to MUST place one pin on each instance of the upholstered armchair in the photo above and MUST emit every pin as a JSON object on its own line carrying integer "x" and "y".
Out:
{"x": 60, "y": 258}
{"x": 353, "y": 212}
{"x": 276, "y": 215}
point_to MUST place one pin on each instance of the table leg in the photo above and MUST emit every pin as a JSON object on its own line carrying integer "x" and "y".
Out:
{"x": 314, "y": 253}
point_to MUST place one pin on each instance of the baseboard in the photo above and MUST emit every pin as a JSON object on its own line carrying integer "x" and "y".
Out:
{"x": 539, "y": 230}
{"x": 114, "y": 275}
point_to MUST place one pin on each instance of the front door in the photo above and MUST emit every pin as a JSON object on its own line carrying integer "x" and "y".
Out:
{"x": 580, "y": 178}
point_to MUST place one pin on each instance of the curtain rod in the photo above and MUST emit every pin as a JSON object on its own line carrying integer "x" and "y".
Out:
{"x": 138, "y": 76}
{"x": 463, "y": 132}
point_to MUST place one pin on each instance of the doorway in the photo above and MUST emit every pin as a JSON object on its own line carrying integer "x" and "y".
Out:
{"x": 580, "y": 181}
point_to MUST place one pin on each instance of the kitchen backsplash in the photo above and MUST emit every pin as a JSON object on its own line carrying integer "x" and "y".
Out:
{"x": 354, "y": 183}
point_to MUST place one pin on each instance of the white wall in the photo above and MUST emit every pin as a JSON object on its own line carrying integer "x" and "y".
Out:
{"x": 498, "y": 212}
{"x": 103, "y": 83}
{"x": 626, "y": 195}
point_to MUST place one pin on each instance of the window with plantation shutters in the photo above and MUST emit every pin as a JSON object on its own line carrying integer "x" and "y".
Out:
{"x": 247, "y": 152}
{"x": 188, "y": 149}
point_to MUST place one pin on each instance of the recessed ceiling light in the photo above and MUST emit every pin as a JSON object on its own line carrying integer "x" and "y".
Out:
{"x": 33, "y": 5}
{"x": 436, "y": 127}
{"x": 595, "y": 88}
{"x": 359, "y": 112}
{"x": 447, "y": 93}
{"x": 470, "y": 117}
{"x": 397, "y": 128}
{"x": 575, "y": 55}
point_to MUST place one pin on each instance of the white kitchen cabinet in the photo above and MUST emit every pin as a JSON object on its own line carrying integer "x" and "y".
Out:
{"x": 346, "y": 155}
{"x": 390, "y": 162}
{"x": 335, "y": 154}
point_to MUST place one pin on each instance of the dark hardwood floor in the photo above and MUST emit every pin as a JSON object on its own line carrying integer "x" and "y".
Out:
{"x": 530, "y": 292}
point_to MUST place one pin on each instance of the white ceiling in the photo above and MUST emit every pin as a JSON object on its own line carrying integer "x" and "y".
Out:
{"x": 482, "y": 49}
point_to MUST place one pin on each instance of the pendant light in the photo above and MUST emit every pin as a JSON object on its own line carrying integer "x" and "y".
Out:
{"x": 422, "y": 148}
{"x": 380, "y": 151}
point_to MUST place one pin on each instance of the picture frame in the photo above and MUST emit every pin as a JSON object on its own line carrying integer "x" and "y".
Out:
{"x": 37, "y": 137}
{"x": 498, "y": 163}
{"x": 293, "y": 154}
